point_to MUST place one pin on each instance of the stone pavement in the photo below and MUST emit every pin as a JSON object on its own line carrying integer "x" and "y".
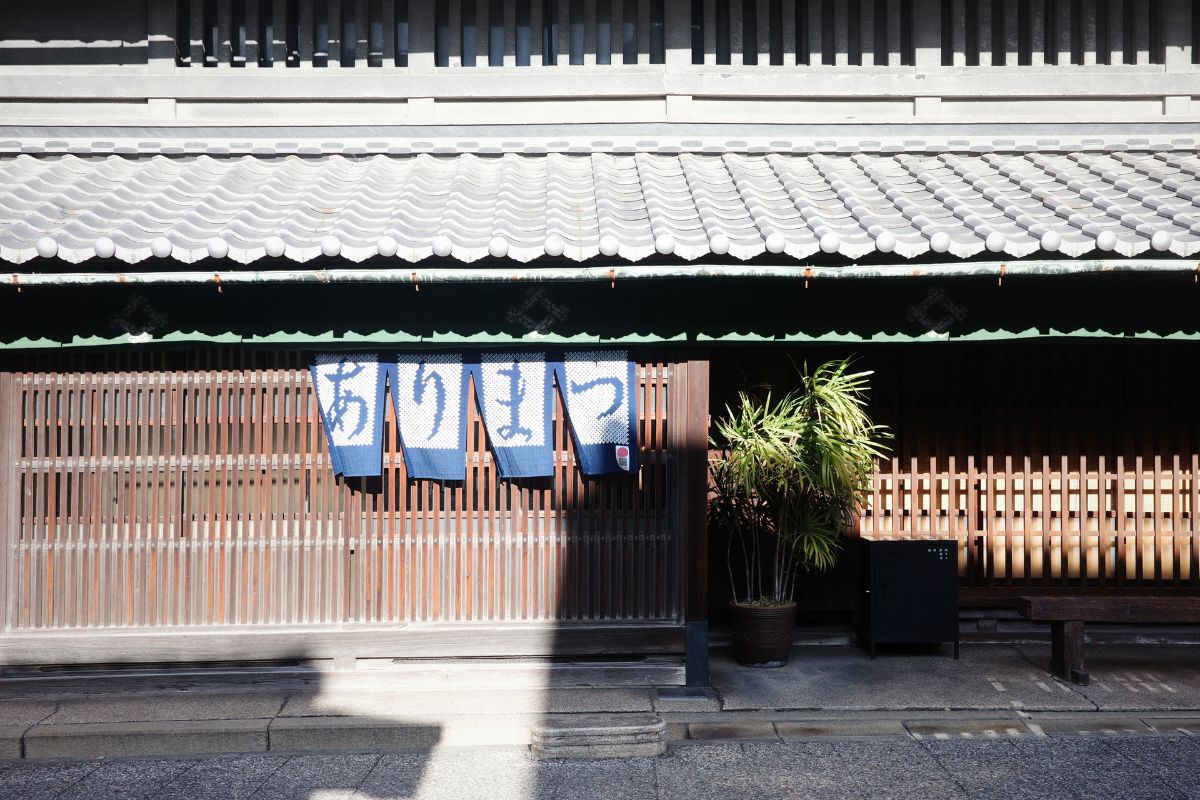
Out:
{"x": 1086, "y": 768}
{"x": 827, "y": 693}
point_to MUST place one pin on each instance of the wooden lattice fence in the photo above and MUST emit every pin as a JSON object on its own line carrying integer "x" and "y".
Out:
{"x": 1049, "y": 525}
{"x": 164, "y": 492}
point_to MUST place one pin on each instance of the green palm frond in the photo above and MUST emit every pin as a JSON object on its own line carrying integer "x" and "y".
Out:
{"x": 793, "y": 473}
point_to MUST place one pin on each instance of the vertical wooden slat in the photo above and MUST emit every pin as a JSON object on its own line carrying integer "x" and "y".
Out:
{"x": 1175, "y": 523}
{"x": 629, "y": 31}
{"x": 523, "y": 41}
{"x": 1045, "y": 518}
{"x": 604, "y": 31}
{"x": 1119, "y": 522}
{"x": 468, "y": 32}
{"x": 1103, "y": 527}
{"x": 1194, "y": 519}
{"x": 225, "y": 31}
{"x": 401, "y": 33}
{"x": 722, "y": 31}
{"x": 1139, "y": 565}
{"x": 51, "y": 573}
{"x": 987, "y": 559}
{"x": 1156, "y": 520}
{"x": 10, "y": 495}
{"x": 854, "y": 38}
{"x": 1008, "y": 496}
{"x": 1064, "y": 538}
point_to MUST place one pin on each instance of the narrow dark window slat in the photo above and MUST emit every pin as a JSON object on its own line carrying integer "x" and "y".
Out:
{"x": 237, "y": 32}
{"x": 183, "y": 33}
{"x": 320, "y": 13}
{"x": 1157, "y": 47}
{"x": 349, "y": 26}
{"x": 802, "y": 52}
{"x": 496, "y": 33}
{"x": 775, "y": 32}
{"x": 658, "y": 31}
{"x": 697, "y": 31}
{"x": 291, "y": 33}
{"x": 908, "y": 51}
{"x": 1103, "y": 45}
{"x": 1130, "y": 31}
{"x": 1049, "y": 32}
{"x": 750, "y": 32}
{"x": 629, "y": 32}
{"x": 723, "y": 33}
{"x": 880, "y": 32}
{"x": 1196, "y": 31}
{"x": 375, "y": 33}
{"x": 854, "y": 55}
{"x": 947, "y": 33}
{"x": 999, "y": 33}
{"x": 1024, "y": 33}
{"x": 829, "y": 32}
{"x": 524, "y": 33}
{"x": 575, "y": 33}
{"x": 469, "y": 31}
{"x": 1077, "y": 31}
{"x": 266, "y": 33}
{"x": 604, "y": 31}
{"x": 441, "y": 33}
{"x": 971, "y": 32}
{"x": 402, "y": 33}
{"x": 549, "y": 32}
{"x": 212, "y": 34}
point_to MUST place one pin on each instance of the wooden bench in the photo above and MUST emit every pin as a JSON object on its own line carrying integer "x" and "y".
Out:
{"x": 1067, "y": 616}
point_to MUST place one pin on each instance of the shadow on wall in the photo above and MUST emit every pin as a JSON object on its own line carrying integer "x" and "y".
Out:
{"x": 72, "y": 33}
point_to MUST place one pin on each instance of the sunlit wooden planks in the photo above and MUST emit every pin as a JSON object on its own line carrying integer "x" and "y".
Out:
{"x": 195, "y": 490}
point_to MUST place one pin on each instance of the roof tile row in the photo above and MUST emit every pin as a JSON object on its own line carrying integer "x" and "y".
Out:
{"x": 522, "y": 207}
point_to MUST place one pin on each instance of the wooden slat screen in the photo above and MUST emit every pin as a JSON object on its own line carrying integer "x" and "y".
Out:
{"x": 1051, "y": 32}
{"x": 378, "y": 33}
{"x": 803, "y": 32}
{"x": 1041, "y": 524}
{"x": 154, "y": 494}
{"x": 522, "y": 33}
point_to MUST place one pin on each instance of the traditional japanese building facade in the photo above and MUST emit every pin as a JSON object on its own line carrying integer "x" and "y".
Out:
{"x": 994, "y": 203}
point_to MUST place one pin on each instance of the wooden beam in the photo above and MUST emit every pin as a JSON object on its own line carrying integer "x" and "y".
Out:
{"x": 180, "y": 645}
{"x": 692, "y": 451}
{"x": 10, "y": 518}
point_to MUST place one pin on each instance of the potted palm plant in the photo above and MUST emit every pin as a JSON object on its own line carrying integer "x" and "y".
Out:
{"x": 792, "y": 474}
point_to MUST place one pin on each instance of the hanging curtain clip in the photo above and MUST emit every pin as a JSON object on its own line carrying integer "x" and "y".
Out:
{"x": 612, "y": 279}
{"x": 808, "y": 273}
{"x": 416, "y": 282}
{"x": 1003, "y": 270}
{"x": 1196, "y": 274}
{"x": 217, "y": 281}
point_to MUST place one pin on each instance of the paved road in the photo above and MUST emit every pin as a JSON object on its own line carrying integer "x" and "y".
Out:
{"x": 1058, "y": 768}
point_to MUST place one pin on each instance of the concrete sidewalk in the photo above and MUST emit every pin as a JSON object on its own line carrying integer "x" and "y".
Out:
{"x": 826, "y": 692}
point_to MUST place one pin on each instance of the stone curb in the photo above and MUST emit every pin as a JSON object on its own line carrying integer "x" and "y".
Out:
{"x": 189, "y": 737}
{"x": 555, "y": 736}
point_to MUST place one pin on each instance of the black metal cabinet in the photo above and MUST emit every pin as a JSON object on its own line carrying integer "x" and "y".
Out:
{"x": 910, "y": 592}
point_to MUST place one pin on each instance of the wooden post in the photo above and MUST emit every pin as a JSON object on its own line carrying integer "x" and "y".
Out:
{"x": 1066, "y": 651}
{"x": 691, "y": 449}
{"x": 10, "y": 518}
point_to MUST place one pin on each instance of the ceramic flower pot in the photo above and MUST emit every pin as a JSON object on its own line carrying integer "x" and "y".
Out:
{"x": 762, "y": 635}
